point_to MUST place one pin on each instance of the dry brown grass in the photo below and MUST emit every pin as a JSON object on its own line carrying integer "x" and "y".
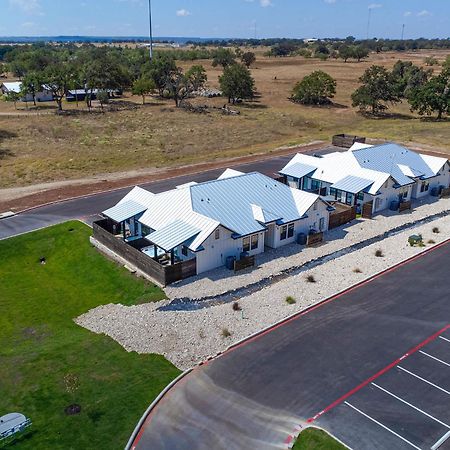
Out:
{"x": 48, "y": 148}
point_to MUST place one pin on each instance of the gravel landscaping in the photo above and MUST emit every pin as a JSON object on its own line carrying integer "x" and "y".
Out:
{"x": 189, "y": 337}
{"x": 275, "y": 261}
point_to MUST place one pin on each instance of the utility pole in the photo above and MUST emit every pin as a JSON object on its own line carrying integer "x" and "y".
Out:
{"x": 150, "y": 28}
{"x": 403, "y": 31}
{"x": 368, "y": 22}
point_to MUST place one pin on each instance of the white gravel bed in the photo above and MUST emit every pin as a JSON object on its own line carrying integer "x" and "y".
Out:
{"x": 187, "y": 338}
{"x": 274, "y": 261}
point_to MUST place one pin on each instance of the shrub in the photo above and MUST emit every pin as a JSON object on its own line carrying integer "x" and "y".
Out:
{"x": 310, "y": 279}
{"x": 436, "y": 230}
{"x": 357, "y": 270}
{"x": 290, "y": 300}
{"x": 379, "y": 253}
{"x": 226, "y": 332}
{"x": 431, "y": 241}
{"x": 236, "y": 306}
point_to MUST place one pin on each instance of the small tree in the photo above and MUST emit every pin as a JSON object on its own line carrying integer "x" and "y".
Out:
{"x": 103, "y": 98}
{"x": 237, "y": 83}
{"x": 360, "y": 52}
{"x": 345, "y": 52}
{"x": 143, "y": 86}
{"x": 248, "y": 58}
{"x": 433, "y": 96}
{"x": 180, "y": 85}
{"x": 315, "y": 89}
{"x": 223, "y": 57}
{"x": 197, "y": 77}
{"x": 431, "y": 61}
{"x": 377, "y": 89}
{"x": 13, "y": 97}
{"x": 32, "y": 84}
{"x": 60, "y": 77}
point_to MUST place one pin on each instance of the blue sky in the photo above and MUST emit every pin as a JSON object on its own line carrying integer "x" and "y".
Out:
{"x": 227, "y": 18}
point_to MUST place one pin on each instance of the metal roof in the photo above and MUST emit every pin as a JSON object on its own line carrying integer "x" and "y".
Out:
{"x": 298, "y": 170}
{"x": 125, "y": 210}
{"x": 352, "y": 184}
{"x": 230, "y": 173}
{"x": 229, "y": 201}
{"x": 263, "y": 216}
{"x": 401, "y": 163}
{"x": 173, "y": 235}
{"x": 13, "y": 86}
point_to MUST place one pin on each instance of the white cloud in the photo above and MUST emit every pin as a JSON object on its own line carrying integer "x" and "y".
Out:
{"x": 423, "y": 13}
{"x": 32, "y": 7}
{"x": 375, "y": 5}
{"x": 183, "y": 13}
{"x": 330, "y": 2}
{"x": 407, "y": 13}
{"x": 265, "y": 3}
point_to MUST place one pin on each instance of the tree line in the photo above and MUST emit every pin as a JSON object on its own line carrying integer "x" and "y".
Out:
{"x": 104, "y": 70}
{"x": 425, "y": 92}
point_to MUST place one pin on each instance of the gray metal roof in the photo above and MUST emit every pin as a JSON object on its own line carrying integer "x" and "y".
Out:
{"x": 125, "y": 210}
{"x": 173, "y": 235}
{"x": 389, "y": 157}
{"x": 298, "y": 170}
{"x": 231, "y": 201}
{"x": 352, "y": 184}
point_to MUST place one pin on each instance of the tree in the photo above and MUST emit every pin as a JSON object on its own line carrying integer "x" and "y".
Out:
{"x": 160, "y": 69}
{"x": 248, "y": 58}
{"x": 60, "y": 76}
{"x": 103, "y": 98}
{"x": 345, "y": 52}
{"x": 433, "y": 96}
{"x": 431, "y": 61}
{"x": 143, "y": 86}
{"x": 445, "y": 64}
{"x": 315, "y": 89}
{"x": 3, "y": 70}
{"x": 32, "y": 84}
{"x": 197, "y": 77}
{"x": 377, "y": 89}
{"x": 223, "y": 57}
{"x": 360, "y": 52}
{"x": 406, "y": 77}
{"x": 237, "y": 83}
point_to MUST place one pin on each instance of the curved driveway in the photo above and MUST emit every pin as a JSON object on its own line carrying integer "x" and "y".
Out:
{"x": 256, "y": 395}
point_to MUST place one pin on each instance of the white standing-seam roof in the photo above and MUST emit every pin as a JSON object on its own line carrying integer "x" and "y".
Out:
{"x": 352, "y": 184}
{"x": 125, "y": 210}
{"x": 371, "y": 163}
{"x": 229, "y": 173}
{"x": 298, "y": 170}
{"x": 173, "y": 235}
{"x": 243, "y": 204}
{"x": 13, "y": 86}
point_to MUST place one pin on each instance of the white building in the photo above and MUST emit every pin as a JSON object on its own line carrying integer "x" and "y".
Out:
{"x": 380, "y": 174}
{"x": 212, "y": 221}
{"x": 44, "y": 95}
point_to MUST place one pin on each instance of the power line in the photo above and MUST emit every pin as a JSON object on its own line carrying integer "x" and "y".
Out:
{"x": 150, "y": 28}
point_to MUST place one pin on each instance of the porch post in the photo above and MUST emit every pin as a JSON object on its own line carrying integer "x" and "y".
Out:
{"x": 155, "y": 252}
{"x": 172, "y": 257}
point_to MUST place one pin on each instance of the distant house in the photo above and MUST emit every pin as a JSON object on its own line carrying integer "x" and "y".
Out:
{"x": 365, "y": 174}
{"x": 209, "y": 223}
{"x": 80, "y": 95}
{"x": 44, "y": 95}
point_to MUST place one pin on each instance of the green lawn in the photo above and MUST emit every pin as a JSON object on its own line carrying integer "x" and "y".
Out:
{"x": 48, "y": 362}
{"x": 315, "y": 439}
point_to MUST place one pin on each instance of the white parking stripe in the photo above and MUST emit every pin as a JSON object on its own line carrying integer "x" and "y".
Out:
{"x": 445, "y": 339}
{"x": 382, "y": 426}
{"x": 434, "y": 357}
{"x": 441, "y": 441}
{"x": 424, "y": 380}
{"x": 411, "y": 406}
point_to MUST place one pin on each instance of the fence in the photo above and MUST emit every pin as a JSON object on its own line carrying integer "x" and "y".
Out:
{"x": 367, "y": 210}
{"x": 346, "y": 140}
{"x": 404, "y": 206}
{"x": 164, "y": 275}
{"x": 339, "y": 218}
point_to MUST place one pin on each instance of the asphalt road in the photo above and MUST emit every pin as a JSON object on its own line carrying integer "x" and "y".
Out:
{"x": 87, "y": 208}
{"x": 337, "y": 364}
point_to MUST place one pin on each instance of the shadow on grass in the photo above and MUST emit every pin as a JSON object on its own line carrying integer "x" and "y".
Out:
{"x": 4, "y": 135}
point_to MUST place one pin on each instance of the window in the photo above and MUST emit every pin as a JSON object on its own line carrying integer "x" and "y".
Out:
{"x": 217, "y": 234}
{"x": 315, "y": 206}
{"x": 333, "y": 193}
{"x": 254, "y": 242}
{"x": 322, "y": 224}
{"x": 184, "y": 250}
{"x": 246, "y": 244}
{"x": 424, "y": 186}
{"x": 291, "y": 230}
{"x": 145, "y": 230}
{"x": 283, "y": 232}
{"x": 360, "y": 196}
{"x": 349, "y": 198}
{"x": 315, "y": 185}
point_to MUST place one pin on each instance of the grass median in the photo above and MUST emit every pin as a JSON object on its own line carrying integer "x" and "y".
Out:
{"x": 315, "y": 439}
{"x": 49, "y": 363}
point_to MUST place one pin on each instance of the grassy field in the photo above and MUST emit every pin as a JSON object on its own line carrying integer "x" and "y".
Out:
{"x": 48, "y": 362}
{"x": 49, "y": 148}
{"x": 315, "y": 439}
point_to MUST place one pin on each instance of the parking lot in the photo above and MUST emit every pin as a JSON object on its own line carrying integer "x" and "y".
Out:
{"x": 406, "y": 405}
